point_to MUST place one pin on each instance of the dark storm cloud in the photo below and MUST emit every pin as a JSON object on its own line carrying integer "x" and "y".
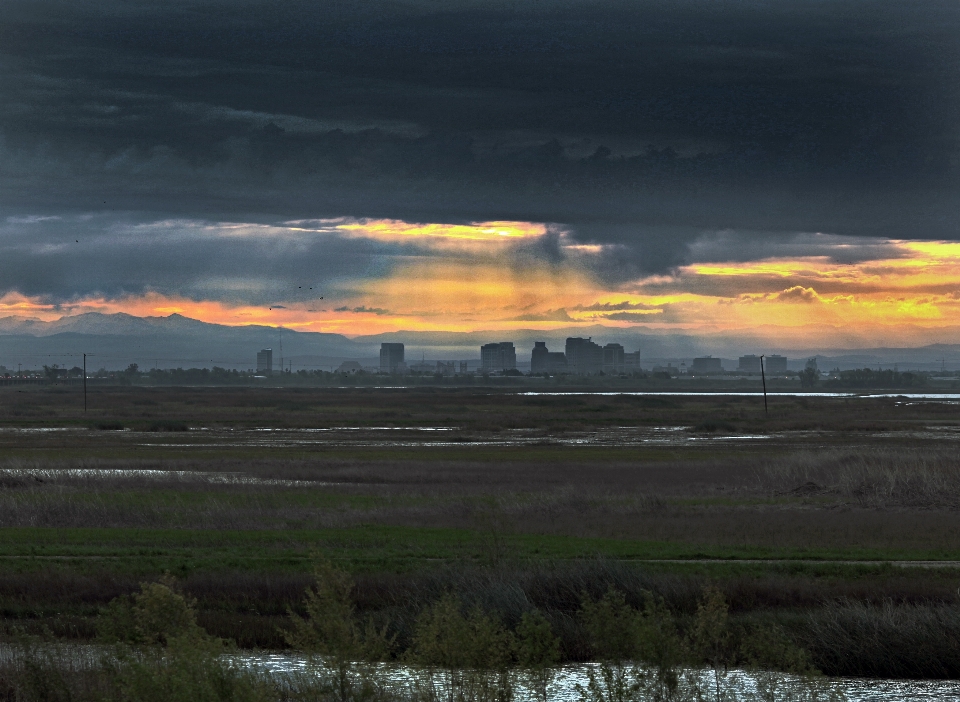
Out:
{"x": 751, "y": 246}
{"x": 62, "y": 258}
{"x": 636, "y": 125}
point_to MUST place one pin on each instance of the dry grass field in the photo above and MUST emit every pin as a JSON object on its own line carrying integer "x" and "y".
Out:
{"x": 835, "y": 517}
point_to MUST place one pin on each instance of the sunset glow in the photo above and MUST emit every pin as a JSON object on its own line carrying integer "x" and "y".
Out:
{"x": 393, "y": 230}
{"x": 911, "y": 294}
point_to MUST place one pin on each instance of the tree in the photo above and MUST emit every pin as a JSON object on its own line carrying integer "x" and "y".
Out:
{"x": 471, "y": 654}
{"x": 809, "y": 377}
{"x": 710, "y": 636}
{"x": 538, "y": 652}
{"x": 332, "y": 631}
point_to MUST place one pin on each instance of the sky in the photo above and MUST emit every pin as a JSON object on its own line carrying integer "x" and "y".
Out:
{"x": 786, "y": 169}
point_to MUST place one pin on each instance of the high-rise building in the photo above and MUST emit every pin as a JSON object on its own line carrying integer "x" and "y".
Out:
{"x": 391, "y": 358}
{"x": 613, "y": 359}
{"x": 706, "y": 365}
{"x": 775, "y": 364}
{"x": 265, "y": 361}
{"x": 542, "y": 360}
{"x": 498, "y": 356}
{"x": 631, "y": 361}
{"x": 749, "y": 364}
{"x": 584, "y": 357}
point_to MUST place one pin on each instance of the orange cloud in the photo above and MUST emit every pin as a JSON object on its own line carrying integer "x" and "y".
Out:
{"x": 798, "y": 293}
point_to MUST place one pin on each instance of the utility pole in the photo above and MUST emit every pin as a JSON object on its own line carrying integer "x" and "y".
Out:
{"x": 280, "y": 329}
{"x": 763, "y": 378}
{"x": 84, "y": 382}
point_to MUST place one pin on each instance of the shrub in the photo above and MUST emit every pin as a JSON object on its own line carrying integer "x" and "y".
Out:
{"x": 339, "y": 644}
{"x": 639, "y": 651}
{"x": 538, "y": 652}
{"x": 154, "y": 616}
{"x": 459, "y": 657}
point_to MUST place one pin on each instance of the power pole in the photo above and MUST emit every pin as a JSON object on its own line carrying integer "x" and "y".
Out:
{"x": 763, "y": 378}
{"x": 84, "y": 382}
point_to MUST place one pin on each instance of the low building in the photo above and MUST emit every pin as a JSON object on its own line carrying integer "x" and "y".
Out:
{"x": 706, "y": 365}
{"x": 498, "y": 357}
{"x": 669, "y": 369}
{"x": 265, "y": 361}
{"x": 749, "y": 364}
{"x": 350, "y": 367}
{"x": 391, "y": 358}
{"x": 775, "y": 364}
{"x": 542, "y": 360}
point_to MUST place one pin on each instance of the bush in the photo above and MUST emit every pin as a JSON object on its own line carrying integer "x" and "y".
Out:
{"x": 461, "y": 658}
{"x": 340, "y": 646}
{"x": 538, "y": 652}
{"x": 152, "y": 617}
{"x": 640, "y": 651}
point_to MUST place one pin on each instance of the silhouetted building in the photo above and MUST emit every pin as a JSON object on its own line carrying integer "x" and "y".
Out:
{"x": 423, "y": 367}
{"x": 265, "y": 361}
{"x": 775, "y": 364}
{"x": 543, "y": 360}
{"x": 613, "y": 359}
{"x": 463, "y": 367}
{"x": 391, "y": 358}
{"x": 749, "y": 364}
{"x": 583, "y": 356}
{"x": 498, "y": 356}
{"x": 707, "y": 365}
{"x": 631, "y": 362}
{"x": 350, "y": 367}
{"x": 812, "y": 364}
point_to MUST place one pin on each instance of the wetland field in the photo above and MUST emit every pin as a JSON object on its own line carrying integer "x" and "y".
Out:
{"x": 835, "y": 520}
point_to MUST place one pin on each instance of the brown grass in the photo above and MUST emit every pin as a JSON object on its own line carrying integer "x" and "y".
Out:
{"x": 863, "y": 477}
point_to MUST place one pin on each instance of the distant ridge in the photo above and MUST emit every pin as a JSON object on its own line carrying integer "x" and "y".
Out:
{"x": 119, "y": 339}
{"x": 116, "y": 340}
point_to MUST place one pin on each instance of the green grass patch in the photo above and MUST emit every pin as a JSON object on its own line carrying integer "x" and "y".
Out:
{"x": 363, "y": 548}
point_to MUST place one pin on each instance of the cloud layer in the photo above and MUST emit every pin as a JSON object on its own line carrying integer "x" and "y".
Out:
{"x": 237, "y": 153}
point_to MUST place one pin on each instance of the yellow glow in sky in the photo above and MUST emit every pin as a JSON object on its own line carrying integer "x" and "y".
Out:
{"x": 911, "y": 297}
{"x": 393, "y": 230}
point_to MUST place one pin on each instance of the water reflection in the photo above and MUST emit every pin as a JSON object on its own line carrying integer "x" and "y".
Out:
{"x": 740, "y": 683}
{"x": 935, "y": 397}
